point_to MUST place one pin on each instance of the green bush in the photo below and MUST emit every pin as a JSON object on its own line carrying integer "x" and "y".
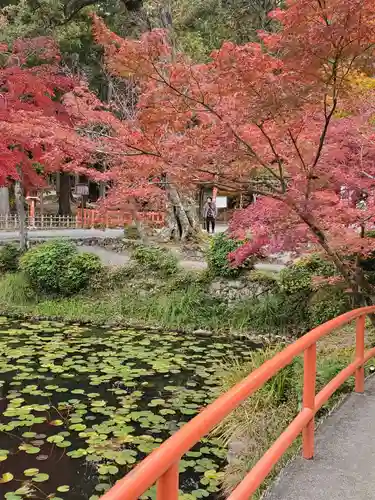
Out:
{"x": 156, "y": 259}
{"x": 326, "y": 304}
{"x": 56, "y": 268}
{"x": 79, "y": 270}
{"x": 217, "y": 256}
{"x": 298, "y": 277}
{"x": 9, "y": 258}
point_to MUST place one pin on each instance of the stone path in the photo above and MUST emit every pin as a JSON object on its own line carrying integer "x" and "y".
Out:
{"x": 74, "y": 234}
{"x": 344, "y": 463}
{"x": 110, "y": 258}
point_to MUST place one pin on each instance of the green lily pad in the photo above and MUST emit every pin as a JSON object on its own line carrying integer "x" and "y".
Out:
{"x": 57, "y": 423}
{"x": 31, "y": 472}
{"x": 6, "y": 477}
{"x": 63, "y": 489}
{"x": 41, "y": 478}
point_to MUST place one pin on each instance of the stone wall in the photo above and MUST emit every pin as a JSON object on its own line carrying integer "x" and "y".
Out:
{"x": 239, "y": 289}
{"x": 119, "y": 245}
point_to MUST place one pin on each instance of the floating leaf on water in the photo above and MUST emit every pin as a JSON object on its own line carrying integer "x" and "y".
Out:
{"x": 77, "y": 453}
{"x": 24, "y": 490}
{"x": 37, "y": 442}
{"x": 29, "y": 449}
{"x": 56, "y": 423}
{"x": 42, "y": 457}
{"x": 77, "y": 427}
{"x": 99, "y": 403}
{"x": 55, "y": 439}
{"x": 63, "y": 489}
{"x": 29, "y": 434}
{"x": 31, "y": 472}
{"x": 41, "y": 478}
{"x": 6, "y": 477}
{"x": 64, "y": 444}
{"x": 107, "y": 469}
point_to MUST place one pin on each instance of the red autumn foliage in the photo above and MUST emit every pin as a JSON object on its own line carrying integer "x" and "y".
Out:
{"x": 287, "y": 119}
{"x": 37, "y": 129}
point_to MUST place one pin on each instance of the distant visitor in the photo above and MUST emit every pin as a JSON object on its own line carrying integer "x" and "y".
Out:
{"x": 209, "y": 215}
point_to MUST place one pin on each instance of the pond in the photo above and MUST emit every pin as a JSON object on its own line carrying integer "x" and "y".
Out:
{"x": 81, "y": 406}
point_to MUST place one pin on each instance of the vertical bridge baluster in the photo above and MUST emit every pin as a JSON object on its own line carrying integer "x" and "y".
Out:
{"x": 309, "y": 381}
{"x": 360, "y": 354}
{"x": 168, "y": 483}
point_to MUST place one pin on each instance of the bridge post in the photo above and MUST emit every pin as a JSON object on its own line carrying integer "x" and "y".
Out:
{"x": 360, "y": 354}
{"x": 168, "y": 484}
{"x": 309, "y": 382}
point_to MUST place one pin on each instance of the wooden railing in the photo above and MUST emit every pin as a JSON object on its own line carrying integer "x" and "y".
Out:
{"x": 161, "y": 465}
{"x": 87, "y": 219}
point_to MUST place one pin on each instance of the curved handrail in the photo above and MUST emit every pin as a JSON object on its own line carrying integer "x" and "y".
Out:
{"x": 162, "y": 464}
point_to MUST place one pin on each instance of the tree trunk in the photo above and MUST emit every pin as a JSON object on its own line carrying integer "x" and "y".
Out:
{"x": 64, "y": 194}
{"x": 181, "y": 219}
{"x": 138, "y": 224}
{"x": 20, "y": 204}
{"x": 4, "y": 201}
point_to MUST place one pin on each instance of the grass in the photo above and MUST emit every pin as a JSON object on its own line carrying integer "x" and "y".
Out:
{"x": 180, "y": 301}
{"x": 253, "y": 427}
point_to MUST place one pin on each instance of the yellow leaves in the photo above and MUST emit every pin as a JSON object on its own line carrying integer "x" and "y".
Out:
{"x": 342, "y": 113}
{"x": 361, "y": 81}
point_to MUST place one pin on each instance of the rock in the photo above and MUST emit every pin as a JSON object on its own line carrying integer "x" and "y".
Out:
{"x": 215, "y": 286}
{"x": 205, "y": 333}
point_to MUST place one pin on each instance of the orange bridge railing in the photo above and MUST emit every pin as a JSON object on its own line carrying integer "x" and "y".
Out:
{"x": 161, "y": 466}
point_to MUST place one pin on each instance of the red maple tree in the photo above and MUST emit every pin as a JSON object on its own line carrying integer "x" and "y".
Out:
{"x": 289, "y": 119}
{"x": 39, "y": 130}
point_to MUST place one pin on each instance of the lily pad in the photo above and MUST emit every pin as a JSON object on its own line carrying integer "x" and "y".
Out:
{"x": 31, "y": 472}
{"x": 41, "y": 478}
{"x": 63, "y": 489}
{"x": 6, "y": 478}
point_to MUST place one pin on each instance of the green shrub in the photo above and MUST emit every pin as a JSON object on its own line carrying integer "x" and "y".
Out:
{"x": 79, "y": 270}
{"x": 9, "y": 258}
{"x": 298, "y": 277}
{"x": 326, "y": 304}
{"x": 156, "y": 259}
{"x": 56, "y": 268}
{"x": 217, "y": 256}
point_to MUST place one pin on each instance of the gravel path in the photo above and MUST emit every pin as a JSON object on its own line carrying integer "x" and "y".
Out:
{"x": 110, "y": 258}
{"x": 74, "y": 234}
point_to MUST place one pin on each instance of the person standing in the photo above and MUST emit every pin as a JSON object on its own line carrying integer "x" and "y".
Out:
{"x": 209, "y": 214}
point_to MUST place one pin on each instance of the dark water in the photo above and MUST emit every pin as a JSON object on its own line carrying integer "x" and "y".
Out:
{"x": 94, "y": 402}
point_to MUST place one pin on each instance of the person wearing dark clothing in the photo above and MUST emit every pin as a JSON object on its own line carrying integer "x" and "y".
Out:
{"x": 210, "y": 214}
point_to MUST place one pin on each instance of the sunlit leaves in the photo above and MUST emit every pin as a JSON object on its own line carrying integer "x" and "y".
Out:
{"x": 6, "y": 477}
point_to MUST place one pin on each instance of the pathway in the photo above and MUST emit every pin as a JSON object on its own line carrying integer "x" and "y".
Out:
{"x": 344, "y": 463}
{"x": 110, "y": 258}
{"x": 74, "y": 234}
